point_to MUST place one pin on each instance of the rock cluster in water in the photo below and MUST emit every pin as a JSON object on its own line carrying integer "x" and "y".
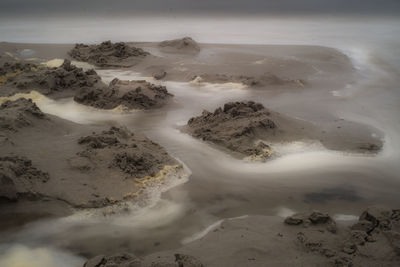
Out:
{"x": 61, "y": 81}
{"x": 85, "y": 86}
{"x": 108, "y": 54}
{"x": 129, "y": 94}
{"x": 120, "y": 150}
{"x": 235, "y": 127}
{"x": 372, "y": 241}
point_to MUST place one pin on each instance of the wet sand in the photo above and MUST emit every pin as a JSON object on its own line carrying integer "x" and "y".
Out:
{"x": 306, "y": 176}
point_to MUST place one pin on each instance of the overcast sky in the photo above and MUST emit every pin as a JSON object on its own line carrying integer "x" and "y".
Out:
{"x": 165, "y": 7}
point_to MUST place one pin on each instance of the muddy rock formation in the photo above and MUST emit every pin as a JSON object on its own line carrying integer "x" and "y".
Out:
{"x": 314, "y": 218}
{"x": 126, "y": 259}
{"x": 122, "y": 151}
{"x": 129, "y": 94}
{"x": 11, "y": 69}
{"x": 235, "y": 127}
{"x": 18, "y": 177}
{"x": 18, "y": 114}
{"x": 373, "y": 241}
{"x": 108, "y": 54}
{"x": 62, "y": 81}
{"x": 184, "y": 45}
{"x": 265, "y": 80}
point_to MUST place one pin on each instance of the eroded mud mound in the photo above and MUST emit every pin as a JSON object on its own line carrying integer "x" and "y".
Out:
{"x": 18, "y": 177}
{"x": 129, "y": 94}
{"x": 235, "y": 127}
{"x": 11, "y": 69}
{"x": 373, "y": 241}
{"x": 121, "y": 151}
{"x": 183, "y": 45}
{"x": 265, "y": 80}
{"x": 126, "y": 259}
{"x": 108, "y": 54}
{"x": 18, "y": 114}
{"x": 60, "y": 81}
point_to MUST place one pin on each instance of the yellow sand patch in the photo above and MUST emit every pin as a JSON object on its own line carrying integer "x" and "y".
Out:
{"x": 158, "y": 178}
{"x": 5, "y": 77}
{"x": 57, "y": 62}
{"x": 299, "y": 82}
{"x": 34, "y": 95}
{"x": 120, "y": 108}
{"x": 264, "y": 156}
{"x": 198, "y": 81}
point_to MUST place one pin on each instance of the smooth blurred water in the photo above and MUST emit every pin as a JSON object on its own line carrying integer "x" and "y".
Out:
{"x": 220, "y": 186}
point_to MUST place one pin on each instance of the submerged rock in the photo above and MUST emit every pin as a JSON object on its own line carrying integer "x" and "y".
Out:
{"x": 235, "y": 127}
{"x": 264, "y": 80}
{"x": 129, "y": 94}
{"x": 183, "y": 45}
{"x": 108, "y": 54}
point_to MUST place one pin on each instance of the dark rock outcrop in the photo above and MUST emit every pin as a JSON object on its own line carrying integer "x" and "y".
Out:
{"x": 372, "y": 241}
{"x": 63, "y": 81}
{"x": 129, "y": 94}
{"x": 108, "y": 54}
{"x": 124, "y": 152}
{"x": 314, "y": 218}
{"x": 18, "y": 114}
{"x": 235, "y": 127}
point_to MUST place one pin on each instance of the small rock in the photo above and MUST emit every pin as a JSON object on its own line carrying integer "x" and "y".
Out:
{"x": 187, "y": 261}
{"x": 295, "y": 219}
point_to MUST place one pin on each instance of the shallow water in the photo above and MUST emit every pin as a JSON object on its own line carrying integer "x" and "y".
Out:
{"x": 306, "y": 176}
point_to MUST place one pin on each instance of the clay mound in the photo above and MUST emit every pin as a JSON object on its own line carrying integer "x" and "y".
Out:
{"x": 18, "y": 114}
{"x": 12, "y": 69}
{"x": 235, "y": 127}
{"x": 264, "y": 80}
{"x": 184, "y": 45}
{"x": 129, "y": 94}
{"x": 108, "y": 54}
{"x": 373, "y": 241}
{"x": 122, "y": 152}
{"x": 61, "y": 81}
{"x": 19, "y": 177}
